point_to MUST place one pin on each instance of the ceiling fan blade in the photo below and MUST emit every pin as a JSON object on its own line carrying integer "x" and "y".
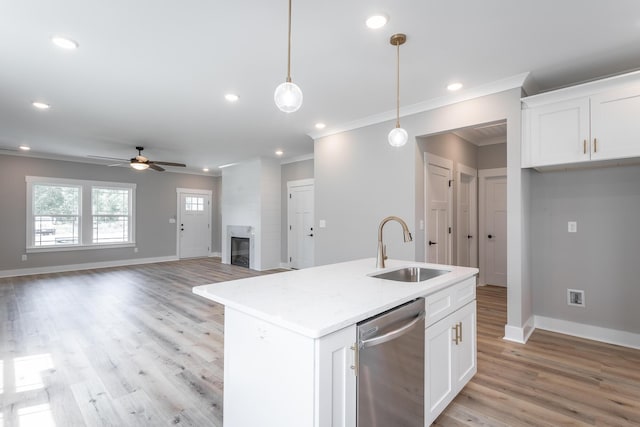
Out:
{"x": 116, "y": 164}
{"x": 182, "y": 165}
{"x": 155, "y": 167}
{"x": 107, "y": 158}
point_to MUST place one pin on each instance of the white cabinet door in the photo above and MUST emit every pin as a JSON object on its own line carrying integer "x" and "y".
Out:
{"x": 450, "y": 362}
{"x": 615, "y": 126}
{"x": 336, "y": 379}
{"x": 439, "y": 386}
{"x": 465, "y": 355}
{"x": 558, "y": 133}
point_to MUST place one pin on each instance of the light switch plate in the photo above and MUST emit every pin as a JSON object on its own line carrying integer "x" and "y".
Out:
{"x": 573, "y": 227}
{"x": 322, "y": 223}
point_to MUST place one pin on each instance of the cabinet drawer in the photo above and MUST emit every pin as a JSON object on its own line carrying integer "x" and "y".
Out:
{"x": 445, "y": 302}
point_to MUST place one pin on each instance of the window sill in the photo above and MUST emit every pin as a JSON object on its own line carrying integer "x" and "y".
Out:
{"x": 61, "y": 248}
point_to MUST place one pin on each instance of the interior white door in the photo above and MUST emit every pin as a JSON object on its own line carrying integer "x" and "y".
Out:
{"x": 301, "y": 226}
{"x": 495, "y": 238}
{"x": 438, "y": 210}
{"x": 194, "y": 225}
{"x": 467, "y": 233}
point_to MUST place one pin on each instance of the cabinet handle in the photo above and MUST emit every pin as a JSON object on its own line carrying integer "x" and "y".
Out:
{"x": 584, "y": 146}
{"x": 460, "y": 331}
{"x": 595, "y": 145}
{"x": 455, "y": 338}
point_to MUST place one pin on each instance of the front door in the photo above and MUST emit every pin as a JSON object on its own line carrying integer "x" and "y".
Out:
{"x": 301, "y": 230}
{"x": 438, "y": 209}
{"x": 194, "y": 231}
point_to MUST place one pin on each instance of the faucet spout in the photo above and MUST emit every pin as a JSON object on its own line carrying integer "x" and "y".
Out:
{"x": 382, "y": 255}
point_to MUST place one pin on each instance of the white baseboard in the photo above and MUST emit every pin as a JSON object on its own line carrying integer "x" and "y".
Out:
{"x": 285, "y": 265}
{"x": 596, "y": 333}
{"x": 215, "y": 254}
{"x": 85, "y": 266}
{"x": 519, "y": 334}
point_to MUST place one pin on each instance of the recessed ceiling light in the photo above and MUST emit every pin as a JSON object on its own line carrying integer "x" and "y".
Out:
{"x": 279, "y": 152}
{"x": 320, "y": 126}
{"x": 24, "y": 147}
{"x": 40, "y": 105}
{"x": 64, "y": 43}
{"x": 231, "y": 97}
{"x": 454, "y": 86}
{"x": 205, "y": 169}
{"x": 377, "y": 21}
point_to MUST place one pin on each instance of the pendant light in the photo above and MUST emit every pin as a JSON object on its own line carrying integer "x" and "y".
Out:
{"x": 398, "y": 136}
{"x": 288, "y": 96}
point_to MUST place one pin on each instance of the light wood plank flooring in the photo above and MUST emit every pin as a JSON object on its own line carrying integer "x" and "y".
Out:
{"x": 133, "y": 346}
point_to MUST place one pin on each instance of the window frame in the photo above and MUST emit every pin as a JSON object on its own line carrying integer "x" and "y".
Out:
{"x": 85, "y": 214}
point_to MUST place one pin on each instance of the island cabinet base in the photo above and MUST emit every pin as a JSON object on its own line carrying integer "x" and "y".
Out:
{"x": 274, "y": 377}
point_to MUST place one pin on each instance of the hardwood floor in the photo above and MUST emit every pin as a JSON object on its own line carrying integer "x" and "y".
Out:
{"x": 133, "y": 346}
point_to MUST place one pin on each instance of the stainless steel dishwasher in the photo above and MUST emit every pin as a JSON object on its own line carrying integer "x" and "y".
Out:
{"x": 391, "y": 368}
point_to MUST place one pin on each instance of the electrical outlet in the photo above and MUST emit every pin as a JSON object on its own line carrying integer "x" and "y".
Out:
{"x": 572, "y": 227}
{"x": 24, "y": 257}
{"x": 135, "y": 250}
{"x": 575, "y": 297}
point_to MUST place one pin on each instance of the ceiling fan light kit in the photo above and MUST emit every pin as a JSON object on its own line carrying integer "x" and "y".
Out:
{"x": 398, "y": 136}
{"x": 141, "y": 163}
{"x": 288, "y": 96}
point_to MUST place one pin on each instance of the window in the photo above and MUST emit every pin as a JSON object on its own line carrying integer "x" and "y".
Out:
{"x": 194, "y": 203}
{"x": 56, "y": 214}
{"x": 110, "y": 211}
{"x": 65, "y": 214}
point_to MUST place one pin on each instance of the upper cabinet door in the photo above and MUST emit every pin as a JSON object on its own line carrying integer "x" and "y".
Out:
{"x": 615, "y": 124}
{"x": 559, "y": 133}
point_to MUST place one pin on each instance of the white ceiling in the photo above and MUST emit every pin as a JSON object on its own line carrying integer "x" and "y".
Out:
{"x": 154, "y": 72}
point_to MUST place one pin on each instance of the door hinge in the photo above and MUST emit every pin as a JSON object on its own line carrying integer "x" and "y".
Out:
{"x": 450, "y": 182}
{"x": 289, "y": 195}
{"x": 290, "y": 259}
{"x": 290, "y": 228}
{"x": 449, "y": 230}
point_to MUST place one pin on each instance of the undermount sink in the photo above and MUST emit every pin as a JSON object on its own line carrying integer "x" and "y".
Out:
{"x": 410, "y": 274}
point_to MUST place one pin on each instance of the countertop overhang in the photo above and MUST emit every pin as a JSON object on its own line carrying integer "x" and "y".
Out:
{"x": 317, "y": 301}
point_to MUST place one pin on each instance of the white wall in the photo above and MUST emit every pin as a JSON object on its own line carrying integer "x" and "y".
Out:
{"x": 251, "y": 196}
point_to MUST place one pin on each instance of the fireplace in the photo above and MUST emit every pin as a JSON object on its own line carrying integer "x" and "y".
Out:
{"x": 239, "y": 246}
{"x": 240, "y": 251}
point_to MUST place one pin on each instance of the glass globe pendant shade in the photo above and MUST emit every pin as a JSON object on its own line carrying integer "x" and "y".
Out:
{"x": 288, "y": 97}
{"x": 398, "y": 137}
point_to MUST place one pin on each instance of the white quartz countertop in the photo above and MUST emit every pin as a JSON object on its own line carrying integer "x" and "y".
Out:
{"x": 318, "y": 301}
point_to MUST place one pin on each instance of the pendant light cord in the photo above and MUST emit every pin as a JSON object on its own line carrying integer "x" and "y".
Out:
{"x": 289, "y": 49}
{"x": 398, "y": 86}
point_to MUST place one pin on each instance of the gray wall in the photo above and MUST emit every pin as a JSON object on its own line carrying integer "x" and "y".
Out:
{"x": 360, "y": 179}
{"x": 155, "y": 204}
{"x": 291, "y": 172}
{"x": 492, "y": 156}
{"x": 602, "y": 258}
{"x": 452, "y": 147}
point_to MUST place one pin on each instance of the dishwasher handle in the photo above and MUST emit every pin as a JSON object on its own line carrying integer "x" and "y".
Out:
{"x": 392, "y": 334}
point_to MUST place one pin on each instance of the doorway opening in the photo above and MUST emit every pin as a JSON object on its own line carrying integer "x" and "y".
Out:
{"x": 465, "y": 199}
{"x": 300, "y": 241}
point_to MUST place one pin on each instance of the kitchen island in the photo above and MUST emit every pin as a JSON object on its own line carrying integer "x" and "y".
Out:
{"x": 290, "y": 339}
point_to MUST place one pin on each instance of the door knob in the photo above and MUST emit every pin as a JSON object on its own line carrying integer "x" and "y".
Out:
{"x": 469, "y": 236}
{"x": 310, "y": 235}
{"x": 432, "y": 243}
{"x": 182, "y": 229}
{"x": 490, "y": 236}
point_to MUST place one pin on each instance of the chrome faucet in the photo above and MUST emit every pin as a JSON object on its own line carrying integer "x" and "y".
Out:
{"x": 382, "y": 249}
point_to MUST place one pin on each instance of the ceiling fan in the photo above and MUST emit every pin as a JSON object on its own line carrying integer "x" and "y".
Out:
{"x": 140, "y": 162}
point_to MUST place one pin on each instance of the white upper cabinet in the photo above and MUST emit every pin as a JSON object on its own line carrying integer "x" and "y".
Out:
{"x": 596, "y": 121}
{"x": 615, "y": 124}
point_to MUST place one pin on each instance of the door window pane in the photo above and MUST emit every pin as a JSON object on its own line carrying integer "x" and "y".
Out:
{"x": 193, "y": 203}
